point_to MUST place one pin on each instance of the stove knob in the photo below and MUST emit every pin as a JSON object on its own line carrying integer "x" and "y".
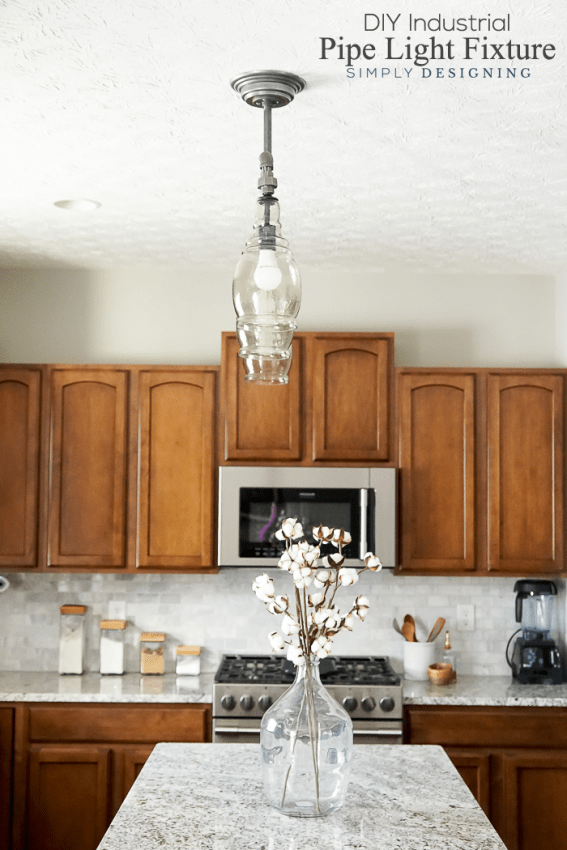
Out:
{"x": 246, "y": 702}
{"x": 228, "y": 702}
{"x": 265, "y": 702}
{"x": 349, "y": 703}
{"x": 387, "y": 704}
{"x": 368, "y": 703}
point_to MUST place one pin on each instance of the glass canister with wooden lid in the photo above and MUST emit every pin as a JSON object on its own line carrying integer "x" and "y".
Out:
{"x": 71, "y": 638}
{"x": 188, "y": 660}
{"x": 112, "y": 647}
{"x": 151, "y": 653}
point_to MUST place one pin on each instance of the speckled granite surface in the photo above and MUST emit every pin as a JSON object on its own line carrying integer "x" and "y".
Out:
{"x": 209, "y": 797}
{"x": 485, "y": 690}
{"x": 92, "y": 687}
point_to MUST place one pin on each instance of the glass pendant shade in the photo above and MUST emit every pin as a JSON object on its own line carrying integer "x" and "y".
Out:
{"x": 266, "y": 292}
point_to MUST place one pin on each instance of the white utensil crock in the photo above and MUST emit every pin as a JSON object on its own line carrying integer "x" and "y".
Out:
{"x": 417, "y": 658}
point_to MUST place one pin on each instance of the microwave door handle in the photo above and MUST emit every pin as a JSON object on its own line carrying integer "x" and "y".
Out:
{"x": 363, "y": 523}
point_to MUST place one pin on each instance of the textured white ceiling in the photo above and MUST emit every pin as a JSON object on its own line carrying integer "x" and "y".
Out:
{"x": 129, "y": 103}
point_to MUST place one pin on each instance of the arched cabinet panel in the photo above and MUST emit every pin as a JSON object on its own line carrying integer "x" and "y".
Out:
{"x": 350, "y": 398}
{"x": 20, "y": 400}
{"x": 176, "y": 469}
{"x": 525, "y": 473}
{"x": 87, "y": 483}
{"x": 438, "y": 483}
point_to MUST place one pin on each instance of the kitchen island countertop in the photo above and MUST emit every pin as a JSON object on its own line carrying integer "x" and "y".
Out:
{"x": 210, "y": 797}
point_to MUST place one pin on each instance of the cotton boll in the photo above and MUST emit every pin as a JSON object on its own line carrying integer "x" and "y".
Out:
{"x": 348, "y": 576}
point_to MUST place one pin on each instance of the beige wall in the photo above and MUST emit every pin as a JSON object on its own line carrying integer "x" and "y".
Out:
{"x": 173, "y": 315}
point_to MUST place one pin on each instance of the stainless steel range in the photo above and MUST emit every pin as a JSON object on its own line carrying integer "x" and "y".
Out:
{"x": 245, "y": 686}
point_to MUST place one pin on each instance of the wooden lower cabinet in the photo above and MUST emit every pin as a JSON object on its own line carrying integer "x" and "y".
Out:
{"x": 514, "y": 760}
{"x": 6, "y": 761}
{"x": 75, "y": 764}
{"x": 533, "y": 785}
{"x": 474, "y": 767}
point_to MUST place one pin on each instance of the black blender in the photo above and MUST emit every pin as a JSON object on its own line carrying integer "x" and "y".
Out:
{"x": 535, "y": 658}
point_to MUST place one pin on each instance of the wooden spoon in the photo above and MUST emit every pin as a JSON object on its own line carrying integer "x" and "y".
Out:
{"x": 439, "y": 623}
{"x": 408, "y": 629}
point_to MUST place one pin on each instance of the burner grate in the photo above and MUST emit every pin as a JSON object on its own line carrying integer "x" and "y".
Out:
{"x": 276, "y": 670}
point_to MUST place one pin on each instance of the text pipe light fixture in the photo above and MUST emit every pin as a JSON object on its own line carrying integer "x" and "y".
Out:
{"x": 266, "y": 289}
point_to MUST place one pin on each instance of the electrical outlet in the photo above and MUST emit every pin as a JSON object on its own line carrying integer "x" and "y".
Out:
{"x": 465, "y": 618}
{"x": 116, "y": 610}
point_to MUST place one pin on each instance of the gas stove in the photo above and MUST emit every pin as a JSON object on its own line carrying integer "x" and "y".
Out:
{"x": 245, "y": 686}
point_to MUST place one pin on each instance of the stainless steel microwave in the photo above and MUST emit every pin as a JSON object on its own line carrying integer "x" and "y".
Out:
{"x": 254, "y": 501}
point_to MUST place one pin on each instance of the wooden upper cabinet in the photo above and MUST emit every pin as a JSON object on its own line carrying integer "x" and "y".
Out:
{"x": 336, "y": 407}
{"x": 176, "y": 491}
{"x": 20, "y": 390}
{"x": 525, "y": 468}
{"x": 262, "y": 421}
{"x": 87, "y": 487}
{"x": 350, "y": 392}
{"x": 437, "y": 460}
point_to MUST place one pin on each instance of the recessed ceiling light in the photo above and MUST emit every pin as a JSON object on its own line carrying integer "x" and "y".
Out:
{"x": 81, "y": 204}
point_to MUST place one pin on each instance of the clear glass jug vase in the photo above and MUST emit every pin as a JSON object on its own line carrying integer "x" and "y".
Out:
{"x": 306, "y": 742}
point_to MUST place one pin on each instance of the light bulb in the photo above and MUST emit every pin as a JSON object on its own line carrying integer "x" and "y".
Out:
{"x": 267, "y": 275}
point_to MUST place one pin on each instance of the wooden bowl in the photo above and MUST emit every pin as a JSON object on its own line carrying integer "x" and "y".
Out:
{"x": 440, "y": 674}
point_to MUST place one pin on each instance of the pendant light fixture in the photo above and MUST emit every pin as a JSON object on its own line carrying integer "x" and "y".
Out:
{"x": 266, "y": 289}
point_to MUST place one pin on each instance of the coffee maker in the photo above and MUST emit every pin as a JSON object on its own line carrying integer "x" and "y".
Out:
{"x": 535, "y": 658}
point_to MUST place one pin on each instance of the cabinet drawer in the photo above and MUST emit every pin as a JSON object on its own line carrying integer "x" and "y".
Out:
{"x": 487, "y": 727}
{"x": 120, "y": 723}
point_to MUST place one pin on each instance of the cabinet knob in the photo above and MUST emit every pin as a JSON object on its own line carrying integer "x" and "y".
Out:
{"x": 228, "y": 702}
{"x": 246, "y": 702}
{"x": 368, "y": 703}
{"x": 349, "y": 703}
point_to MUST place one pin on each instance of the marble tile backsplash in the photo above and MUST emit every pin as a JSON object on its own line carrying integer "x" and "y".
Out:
{"x": 221, "y": 614}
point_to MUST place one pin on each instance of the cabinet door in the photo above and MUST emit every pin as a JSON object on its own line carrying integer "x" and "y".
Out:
{"x": 88, "y": 468}
{"x": 176, "y": 492}
{"x": 19, "y": 465}
{"x": 6, "y": 760}
{"x": 128, "y": 763}
{"x": 474, "y": 768}
{"x": 437, "y": 460}
{"x": 525, "y": 469}
{"x": 350, "y": 389}
{"x": 262, "y": 421}
{"x": 534, "y": 795}
{"x": 68, "y": 797}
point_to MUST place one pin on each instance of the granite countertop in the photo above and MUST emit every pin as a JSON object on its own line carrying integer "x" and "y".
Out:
{"x": 92, "y": 687}
{"x": 485, "y": 690}
{"x": 210, "y": 797}
{"x": 132, "y": 687}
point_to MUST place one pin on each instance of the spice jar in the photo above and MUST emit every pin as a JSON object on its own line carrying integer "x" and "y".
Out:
{"x": 71, "y": 638}
{"x": 188, "y": 660}
{"x": 112, "y": 646}
{"x": 151, "y": 655}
